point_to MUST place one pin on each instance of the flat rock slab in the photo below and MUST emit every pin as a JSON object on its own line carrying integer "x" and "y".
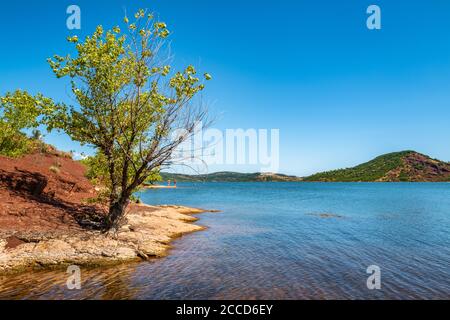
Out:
{"x": 147, "y": 233}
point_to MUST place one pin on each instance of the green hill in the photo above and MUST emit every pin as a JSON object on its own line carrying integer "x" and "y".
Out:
{"x": 391, "y": 167}
{"x": 229, "y": 177}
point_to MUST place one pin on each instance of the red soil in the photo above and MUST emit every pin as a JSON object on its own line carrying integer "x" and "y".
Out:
{"x": 44, "y": 192}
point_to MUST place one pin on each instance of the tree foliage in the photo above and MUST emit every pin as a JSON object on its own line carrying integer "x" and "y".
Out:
{"x": 19, "y": 111}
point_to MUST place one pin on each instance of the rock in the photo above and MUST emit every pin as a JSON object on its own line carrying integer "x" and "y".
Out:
{"x": 2, "y": 245}
{"x": 326, "y": 215}
{"x": 146, "y": 234}
{"x": 125, "y": 253}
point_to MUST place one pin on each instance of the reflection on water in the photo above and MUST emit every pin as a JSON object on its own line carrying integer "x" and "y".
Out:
{"x": 101, "y": 283}
{"x": 282, "y": 241}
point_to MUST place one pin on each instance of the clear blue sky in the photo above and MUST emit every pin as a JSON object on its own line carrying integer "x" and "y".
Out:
{"x": 339, "y": 93}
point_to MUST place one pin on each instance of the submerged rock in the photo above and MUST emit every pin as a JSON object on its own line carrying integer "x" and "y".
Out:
{"x": 326, "y": 215}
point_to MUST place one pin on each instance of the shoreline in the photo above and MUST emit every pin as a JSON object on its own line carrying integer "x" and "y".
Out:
{"x": 147, "y": 233}
{"x": 158, "y": 187}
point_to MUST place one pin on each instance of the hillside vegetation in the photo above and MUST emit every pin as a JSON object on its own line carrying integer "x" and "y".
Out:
{"x": 404, "y": 166}
{"x": 392, "y": 167}
{"x": 229, "y": 177}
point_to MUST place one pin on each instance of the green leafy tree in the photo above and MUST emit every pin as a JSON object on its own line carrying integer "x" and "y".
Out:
{"x": 19, "y": 111}
{"x": 129, "y": 105}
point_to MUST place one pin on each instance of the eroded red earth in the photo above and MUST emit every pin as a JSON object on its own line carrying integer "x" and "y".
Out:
{"x": 44, "y": 192}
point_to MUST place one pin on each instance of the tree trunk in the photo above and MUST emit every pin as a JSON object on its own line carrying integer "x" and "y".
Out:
{"x": 115, "y": 214}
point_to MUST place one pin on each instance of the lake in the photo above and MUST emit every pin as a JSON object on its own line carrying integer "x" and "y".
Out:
{"x": 282, "y": 241}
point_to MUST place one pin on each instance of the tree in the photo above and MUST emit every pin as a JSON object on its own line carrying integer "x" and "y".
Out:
{"x": 129, "y": 105}
{"x": 36, "y": 134}
{"x": 18, "y": 111}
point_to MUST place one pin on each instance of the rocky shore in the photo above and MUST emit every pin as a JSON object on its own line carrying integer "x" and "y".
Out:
{"x": 147, "y": 233}
{"x": 48, "y": 218}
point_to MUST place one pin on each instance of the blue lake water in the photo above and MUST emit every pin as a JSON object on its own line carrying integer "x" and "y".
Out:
{"x": 284, "y": 241}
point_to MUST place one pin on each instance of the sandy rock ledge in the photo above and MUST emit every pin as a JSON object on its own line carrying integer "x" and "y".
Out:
{"x": 147, "y": 233}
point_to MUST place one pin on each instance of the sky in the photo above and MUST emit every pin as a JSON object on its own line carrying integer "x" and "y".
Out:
{"x": 339, "y": 93}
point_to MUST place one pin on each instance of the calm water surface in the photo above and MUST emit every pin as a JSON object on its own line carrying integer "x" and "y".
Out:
{"x": 271, "y": 242}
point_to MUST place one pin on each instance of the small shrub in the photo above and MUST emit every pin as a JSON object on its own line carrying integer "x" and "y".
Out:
{"x": 135, "y": 199}
{"x": 55, "y": 169}
{"x": 14, "y": 145}
{"x": 36, "y": 134}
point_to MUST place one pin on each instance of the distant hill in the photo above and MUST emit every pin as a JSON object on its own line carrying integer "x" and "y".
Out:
{"x": 392, "y": 167}
{"x": 229, "y": 177}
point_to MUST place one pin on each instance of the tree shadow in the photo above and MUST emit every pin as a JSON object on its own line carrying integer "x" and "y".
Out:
{"x": 31, "y": 187}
